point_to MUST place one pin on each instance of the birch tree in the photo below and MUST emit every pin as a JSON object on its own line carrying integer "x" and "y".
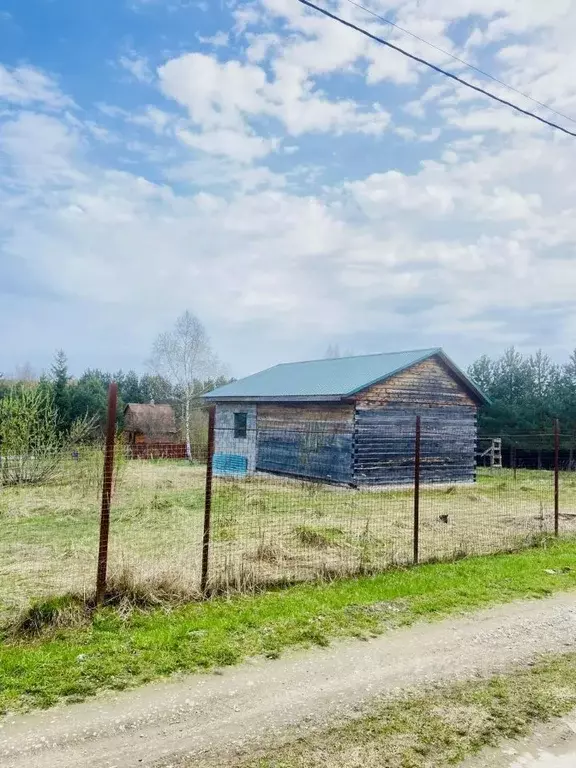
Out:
{"x": 184, "y": 356}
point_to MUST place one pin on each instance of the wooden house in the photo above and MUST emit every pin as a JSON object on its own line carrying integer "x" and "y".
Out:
{"x": 148, "y": 423}
{"x": 351, "y": 420}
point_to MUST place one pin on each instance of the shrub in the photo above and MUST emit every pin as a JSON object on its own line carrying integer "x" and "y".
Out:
{"x": 31, "y": 446}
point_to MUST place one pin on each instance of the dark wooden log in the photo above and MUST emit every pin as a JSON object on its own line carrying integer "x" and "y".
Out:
{"x": 384, "y": 444}
{"x": 319, "y": 456}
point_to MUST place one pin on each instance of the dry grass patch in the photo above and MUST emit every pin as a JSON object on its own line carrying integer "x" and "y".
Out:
{"x": 437, "y": 728}
{"x": 319, "y": 537}
{"x": 265, "y": 530}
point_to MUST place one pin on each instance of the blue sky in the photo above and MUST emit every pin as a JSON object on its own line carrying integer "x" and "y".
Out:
{"x": 290, "y": 182}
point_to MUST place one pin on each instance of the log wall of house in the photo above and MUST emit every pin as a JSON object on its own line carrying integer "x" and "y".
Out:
{"x": 306, "y": 440}
{"x": 384, "y": 432}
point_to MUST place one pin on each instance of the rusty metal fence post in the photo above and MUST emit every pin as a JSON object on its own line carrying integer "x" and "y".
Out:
{"x": 106, "y": 493}
{"x": 208, "y": 503}
{"x": 417, "y": 444}
{"x": 556, "y": 477}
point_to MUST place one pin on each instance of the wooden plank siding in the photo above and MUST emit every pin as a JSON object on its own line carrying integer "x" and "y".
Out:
{"x": 303, "y": 413}
{"x": 384, "y": 444}
{"x": 385, "y": 420}
{"x": 306, "y": 440}
{"x": 428, "y": 384}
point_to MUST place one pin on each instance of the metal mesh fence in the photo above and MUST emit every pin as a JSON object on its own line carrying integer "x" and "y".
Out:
{"x": 156, "y": 522}
{"x": 509, "y": 505}
{"x": 284, "y": 506}
{"x": 290, "y": 513}
{"x": 274, "y": 529}
{"x": 49, "y": 524}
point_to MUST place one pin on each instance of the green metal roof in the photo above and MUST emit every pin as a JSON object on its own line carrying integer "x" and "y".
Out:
{"x": 331, "y": 379}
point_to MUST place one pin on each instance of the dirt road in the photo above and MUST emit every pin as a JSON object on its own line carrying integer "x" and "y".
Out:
{"x": 210, "y": 715}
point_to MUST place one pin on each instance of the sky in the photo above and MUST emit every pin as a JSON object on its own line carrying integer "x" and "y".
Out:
{"x": 289, "y": 181}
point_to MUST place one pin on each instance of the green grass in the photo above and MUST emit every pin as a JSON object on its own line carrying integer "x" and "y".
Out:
{"x": 116, "y": 650}
{"x": 437, "y": 728}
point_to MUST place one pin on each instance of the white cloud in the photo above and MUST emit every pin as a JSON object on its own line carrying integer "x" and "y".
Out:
{"x": 389, "y": 65}
{"x": 468, "y": 223}
{"x": 157, "y": 120}
{"x": 229, "y": 143}
{"x": 111, "y": 110}
{"x": 492, "y": 119}
{"x": 411, "y": 134}
{"x": 137, "y": 66}
{"x": 322, "y": 46}
{"x": 520, "y": 18}
{"x": 227, "y": 95}
{"x": 219, "y": 40}
{"x": 27, "y": 85}
{"x": 216, "y": 95}
{"x": 40, "y": 149}
{"x": 304, "y": 262}
{"x": 464, "y": 191}
{"x": 261, "y": 45}
{"x": 213, "y": 172}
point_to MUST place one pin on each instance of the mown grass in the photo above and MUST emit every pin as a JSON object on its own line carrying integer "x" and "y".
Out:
{"x": 115, "y": 649}
{"x": 265, "y": 530}
{"x": 438, "y": 728}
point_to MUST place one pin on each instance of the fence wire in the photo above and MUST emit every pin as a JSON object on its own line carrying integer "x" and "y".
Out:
{"x": 286, "y": 506}
{"x": 49, "y": 524}
{"x": 156, "y": 523}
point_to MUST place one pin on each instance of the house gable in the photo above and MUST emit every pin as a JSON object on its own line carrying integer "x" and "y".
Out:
{"x": 429, "y": 383}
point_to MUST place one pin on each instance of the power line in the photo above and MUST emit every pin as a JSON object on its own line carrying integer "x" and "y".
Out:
{"x": 461, "y": 61}
{"x": 435, "y": 68}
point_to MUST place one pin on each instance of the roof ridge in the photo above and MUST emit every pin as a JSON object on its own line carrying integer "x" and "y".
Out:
{"x": 352, "y": 357}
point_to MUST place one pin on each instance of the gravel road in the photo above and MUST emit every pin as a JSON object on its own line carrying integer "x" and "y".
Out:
{"x": 203, "y": 716}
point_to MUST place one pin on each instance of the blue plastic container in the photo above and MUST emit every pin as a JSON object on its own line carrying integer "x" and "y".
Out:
{"x": 230, "y": 464}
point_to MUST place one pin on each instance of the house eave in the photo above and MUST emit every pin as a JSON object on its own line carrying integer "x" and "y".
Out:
{"x": 276, "y": 399}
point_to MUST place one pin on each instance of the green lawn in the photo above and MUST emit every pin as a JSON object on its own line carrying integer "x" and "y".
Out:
{"x": 439, "y": 728}
{"x": 265, "y": 530}
{"x": 116, "y": 650}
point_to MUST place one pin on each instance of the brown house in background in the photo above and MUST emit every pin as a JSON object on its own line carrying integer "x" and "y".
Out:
{"x": 151, "y": 431}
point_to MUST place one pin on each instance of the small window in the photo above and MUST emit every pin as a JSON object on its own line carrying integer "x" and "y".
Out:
{"x": 240, "y": 425}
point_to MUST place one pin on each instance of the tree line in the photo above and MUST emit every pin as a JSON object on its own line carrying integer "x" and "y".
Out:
{"x": 182, "y": 367}
{"x": 527, "y": 393}
{"x": 87, "y": 395}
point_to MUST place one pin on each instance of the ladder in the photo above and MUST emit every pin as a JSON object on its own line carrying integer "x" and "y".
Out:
{"x": 496, "y": 455}
{"x": 494, "y": 452}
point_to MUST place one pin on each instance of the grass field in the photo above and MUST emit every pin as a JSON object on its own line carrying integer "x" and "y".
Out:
{"x": 264, "y": 529}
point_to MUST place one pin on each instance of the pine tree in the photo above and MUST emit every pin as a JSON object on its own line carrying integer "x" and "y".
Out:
{"x": 88, "y": 397}
{"x": 130, "y": 389}
{"x": 60, "y": 390}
